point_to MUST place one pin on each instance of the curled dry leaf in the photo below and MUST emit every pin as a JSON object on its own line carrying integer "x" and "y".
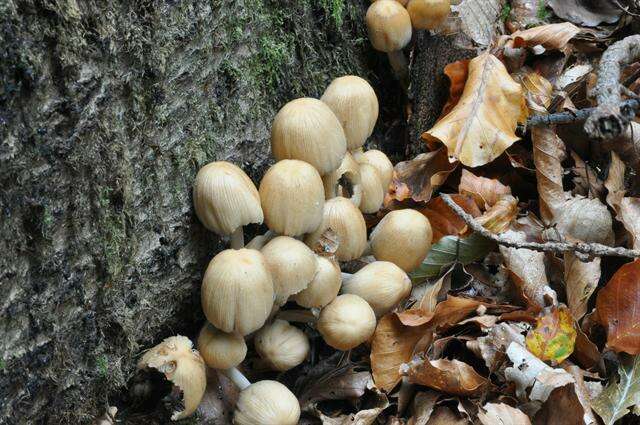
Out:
{"x": 548, "y": 154}
{"x": 586, "y": 12}
{"x": 586, "y": 180}
{"x": 343, "y": 383}
{"x": 554, "y": 337}
{"x": 580, "y": 280}
{"x": 423, "y": 405}
{"x": 503, "y": 414}
{"x": 485, "y": 192}
{"x": 550, "y": 36}
{"x": 537, "y": 89}
{"x": 620, "y": 395}
{"x": 627, "y": 209}
{"x": 449, "y": 376}
{"x": 498, "y": 218}
{"x": 491, "y": 347}
{"x": 363, "y": 417}
{"x": 219, "y": 400}
{"x": 457, "y": 72}
{"x": 584, "y": 391}
{"x": 446, "y": 222}
{"x": 562, "y": 399}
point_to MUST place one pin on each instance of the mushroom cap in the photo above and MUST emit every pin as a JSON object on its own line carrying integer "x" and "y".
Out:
{"x": 382, "y": 284}
{"x": 225, "y": 198}
{"x": 355, "y": 104}
{"x": 307, "y": 129}
{"x": 347, "y": 322}
{"x": 292, "y": 265}
{"x": 324, "y": 287}
{"x": 388, "y": 25}
{"x": 349, "y": 170}
{"x": 183, "y": 366}
{"x": 381, "y": 163}
{"x": 266, "y": 402}
{"x": 237, "y": 291}
{"x": 292, "y": 197}
{"x": 346, "y": 220}
{"x": 428, "y": 14}
{"x": 372, "y": 192}
{"x": 402, "y": 2}
{"x": 221, "y": 350}
{"x": 402, "y": 237}
{"x": 281, "y": 345}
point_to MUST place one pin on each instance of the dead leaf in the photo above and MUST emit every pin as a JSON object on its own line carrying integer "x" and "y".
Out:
{"x": 338, "y": 384}
{"x": 445, "y": 416}
{"x": 491, "y": 348}
{"x": 554, "y": 337}
{"x": 620, "y": 395}
{"x": 524, "y": 14}
{"x": 548, "y": 154}
{"x": 627, "y": 209}
{"x": 449, "y": 376}
{"x": 363, "y": 417}
{"x": 423, "y": 405}
{"x": 550, "y": 36}
{"x": 586, "y": 353}
{"x": 583, "y": 392}
{"x": 478, "y": 18}
{"x": 498, "y": 218}
{"x": 537, "y": 89}
{"x": 562, "y": 399}
{"x": 580, "y": 279}
{"x": 219, "y": 400}
{"x": 585, "y": 179}
{"x": 482, "y": 125}
{"x": 586, "y": 12}
{"x": 433, "y": 292}
{"x": 629, "y": 215}
{"x": 457, "y": 72}
{"x": 485, "y": 192}
{"x": 586, "y": 220}
{"x": 503, "y": 414}
{"x": 442, "y": 218}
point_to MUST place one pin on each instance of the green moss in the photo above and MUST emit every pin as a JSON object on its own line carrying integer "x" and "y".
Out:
{"x": 504, "y": 13}
{"x": 2, "y": 364}
{"x": 112, "y": 227}
{"x": 335, "y": 9}
{"x": 542, "y": 13}
{"x": 102, "y": 366}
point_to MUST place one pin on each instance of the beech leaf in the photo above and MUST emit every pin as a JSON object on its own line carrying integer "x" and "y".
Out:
{"x": 498, "y": 218}
{"x": 550, "y": 36}
{"x": 442, "y": 218}
{"x": 554, "y": 337}
{"x": 503, "y": 414}
{"x": 485, "y": 192}
{"x": 457, "y": 72}
{"x": 449, "y": 376}
{"x": 562, "y": 399}
{"x": 580, "y": 279}
{"x": 616, "y": 399}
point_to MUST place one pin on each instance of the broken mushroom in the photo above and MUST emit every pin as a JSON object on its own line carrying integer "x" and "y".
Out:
{"x": 380, "y": 162}
{"x": 345, "y": 181}
{"x": 428, "y": 14}
{"x": 281, "y": 345}
{"x": 267, "y": 402}
{"x": 323, "y": 288}
{"x": 346, "y": 322}
{"x": 372, "y": 189}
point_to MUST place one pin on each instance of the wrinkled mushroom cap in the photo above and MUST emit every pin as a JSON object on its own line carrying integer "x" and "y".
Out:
{"x": 306, "y": 129}
{"x": 388, "y": 25}
{"x": 183, "y": 366}
{"x": 355, "y": 104}
{"x": 292, "y": 265}
{"x": 346, "y": 220}
{"x": 428, "y": 14}
{"x": 292, "y": 197}
{"x": 281, "y": 345}
{"x": 221, "y": 350}
{"x": 382, "y": 284}
{"x": 345, "y": 181}
{"x": 372, "y": 192}
{"x": 267, "y": 402}
{"x": 381, "y": 163}
{"x": 347, "y": 322}
{"x": 237, "y": 291}
{"x": 402, "y": 237}
{"x": 225, "y": 198}
{"x": 324, "y": 287}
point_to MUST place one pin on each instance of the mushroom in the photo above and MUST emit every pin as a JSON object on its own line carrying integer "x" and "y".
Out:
{"x": 402, "y": 237}
{"x": 323, "y": 288}
{"x": 225, "y": 199}
{"x": 292, "y": 197}
{"x": 381, "y": 163}
{"x": 267, "y": 402}
{"x": 306, "y": 129}
{"x": 221, "y": 350}
{"x": 281, "y": 345}
{"x": 292, "y": 265}
{"x": 372, "y": 189}
{"x": 389, "y": 28}
{"x": 355, "y": 104}
{"x": 402, "y": 2}
{"x": 346, "y": 322}
{"x": 382, "y": 284}
{"x": 237, "y": 291}
{"x": 183, "y": 366}
{"x": 346, "y": 220}
{"x": 345, "y": 181}
{"x": 428, "y": 14}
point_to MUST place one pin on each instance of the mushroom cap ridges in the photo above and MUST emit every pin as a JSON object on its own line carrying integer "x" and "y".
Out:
{"x": 266, "y": 402}
{"x": 347, "y": 322}
{"x": 388, "y": 25}
{"x": 381, "y": 162}
{"x": 282, "y": 345}
{"x": 428, "y": 14}
{"x": 324, "y": 287}
{"x": 221, "y": 350}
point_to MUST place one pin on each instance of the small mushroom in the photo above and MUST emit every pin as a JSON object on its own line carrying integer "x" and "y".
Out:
{"x": 347, "y": 322}
{"x": 372, "y": 191}
{"x": 381, "y": 163}
{"x": 183, "y": 366}
{"x": 221, "y": 350}
{"x": 345, "y": 181}
{"x": 237, "y": 291}
{"x": 381, "y": 284}
{"x": 307, "y": 130}
{"x": 323, "y": 288}
{"x": 402, "y": 2}
{"x": 355, "y": 104}
{"x": 267, "y": 402}
{"x": 292, "y": 197}
{"x": 402, "y": 237}
{"x": 281, "y": 345}
{"x": 292, "y": 265}
{"x": 428, "y": 14}
{"x": 346, "y": 220}
{"x": 225, "y": 199}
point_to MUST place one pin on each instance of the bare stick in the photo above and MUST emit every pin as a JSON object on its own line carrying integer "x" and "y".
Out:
{"x": 587, "y": 249}
{"x": 569, "y": 117}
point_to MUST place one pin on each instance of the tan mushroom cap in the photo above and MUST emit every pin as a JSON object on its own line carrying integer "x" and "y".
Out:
{"x": 347, "y": 322}
{"x": 381, "y": 163}
{"x": 324, "y": 287}
{"x": 225, "y": 198}
{"x": 237, "y": 291}
{"x": 345, "y": 181}
{"x": 292, "y": 265}
{"x": 281, "y": 345}
{"x": 221, "y": 350}
{"x": 428, "y": 14}
{"x": 402, "y": 2}
{"x": 382, "y": 284}
{"x": 346, "y": 220}
{"x": 267, "y": 402}
{"x": 402, "y": 237}
{"x": 292, "y": 197}
{"x": 354, "y": 102}
{"x": 388, "y": 25}
{"x": 306, "y": 129}
{"x": 372, "y": 192}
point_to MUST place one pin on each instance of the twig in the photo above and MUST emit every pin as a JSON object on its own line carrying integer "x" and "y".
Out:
{"x": 576, "y": 116}
{"x": 587, "y": 249}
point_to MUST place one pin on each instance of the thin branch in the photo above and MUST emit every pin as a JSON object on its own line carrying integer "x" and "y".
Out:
{"x": 575, "y": 116}
{"x": 587, "y": 249}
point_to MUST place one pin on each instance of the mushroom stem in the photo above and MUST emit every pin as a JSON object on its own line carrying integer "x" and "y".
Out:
{"x": 237, "y": 378}
{"x": 346, "y": 276}
{"x": 237, "y": 238}
{"x": 400, "y": 67}
{"x": 261, "y": 240}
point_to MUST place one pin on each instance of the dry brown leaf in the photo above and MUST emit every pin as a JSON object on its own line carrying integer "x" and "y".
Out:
{"x": 446, "y": 222}
{"x": 615, "y": 181}
{"x": 562, "y": 399}
{"x": 482, "y": 125}
{"x": 586, "y": 180}
{"x": 498, "y": 218}
{"x": 423, "y": 405}
{"x": 485, "y": 192}
{"x": 627, "y": 209}
{"x": 586, "y": 220}
{"x": 432, "y": 292}
{"x": 337, "y": 384}
{"x": 457, "y": 72}
{"x": 449, "y": 376}
{"x": 587, "y": 12}
{"x": 550, "y": 36}
{"x": 503, "y": 414}
{"x": 582, "y": 391}
{"x": 363, "y": 417}
{"x": 491, "y": 347}
{"x": 445, "y": 416}
{"x": 580, "y": 280}
{"x": 586, "y": 353}
{"x": 548, "y": 154}
{"x": 219, "y": 400}
{"x": 629, "y": 215}
{"x": 537, "y": 89}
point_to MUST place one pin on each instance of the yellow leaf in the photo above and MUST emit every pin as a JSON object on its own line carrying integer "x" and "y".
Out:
{"x": 482, "y": 124}
{"x": 554, "y": 336}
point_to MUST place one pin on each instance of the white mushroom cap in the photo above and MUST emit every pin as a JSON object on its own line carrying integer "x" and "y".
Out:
{"x": 382, "y": 284}
{"x": 292, "y": 265}
{"x": 347, "y": 322}
{"x": 281, "y": 345}
{"x": 221, "y": 350}
{"x": 389, "y": 26}
{"x": 306, "y": 129}
{"x": 381, "y": 163}
{"x": 402, "y": 237}
{"x": 225, "y": 198}
{"x": 349, "y": 170}
{"x": 428, "y": 14}
{"x": 324, "y": 287}
{"x": 372, "y": 192}
{"x": 266, "y": 403}
{"x": 354, "y": 102}
{"x": 292, "y": 197}
{"x": 237, "y": 291}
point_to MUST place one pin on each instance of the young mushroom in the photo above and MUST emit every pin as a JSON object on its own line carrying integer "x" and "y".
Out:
{"x": 323, "y": 288}
{"x": 428, "y": 14}
{"x": 346, "y": 322}
{"x": 402, "y": 237}
{"x": 183, "y": 366}
{"x": 345, "y": 181}
{"x": 225, "y": 199}
{"x": 281, "y": 345}
{"x": 292, "y": 197}
{"x": 237, "y": 291}
{"x": 372, "y": 189}
{"x": 381, "y": 284}
{"x": 307, "y": 130}
{"x": 380, "y": 162}
{"x": 267, "y": 402}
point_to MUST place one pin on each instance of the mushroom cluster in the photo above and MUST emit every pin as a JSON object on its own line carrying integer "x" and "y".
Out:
{"x": 322, "y": 184}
